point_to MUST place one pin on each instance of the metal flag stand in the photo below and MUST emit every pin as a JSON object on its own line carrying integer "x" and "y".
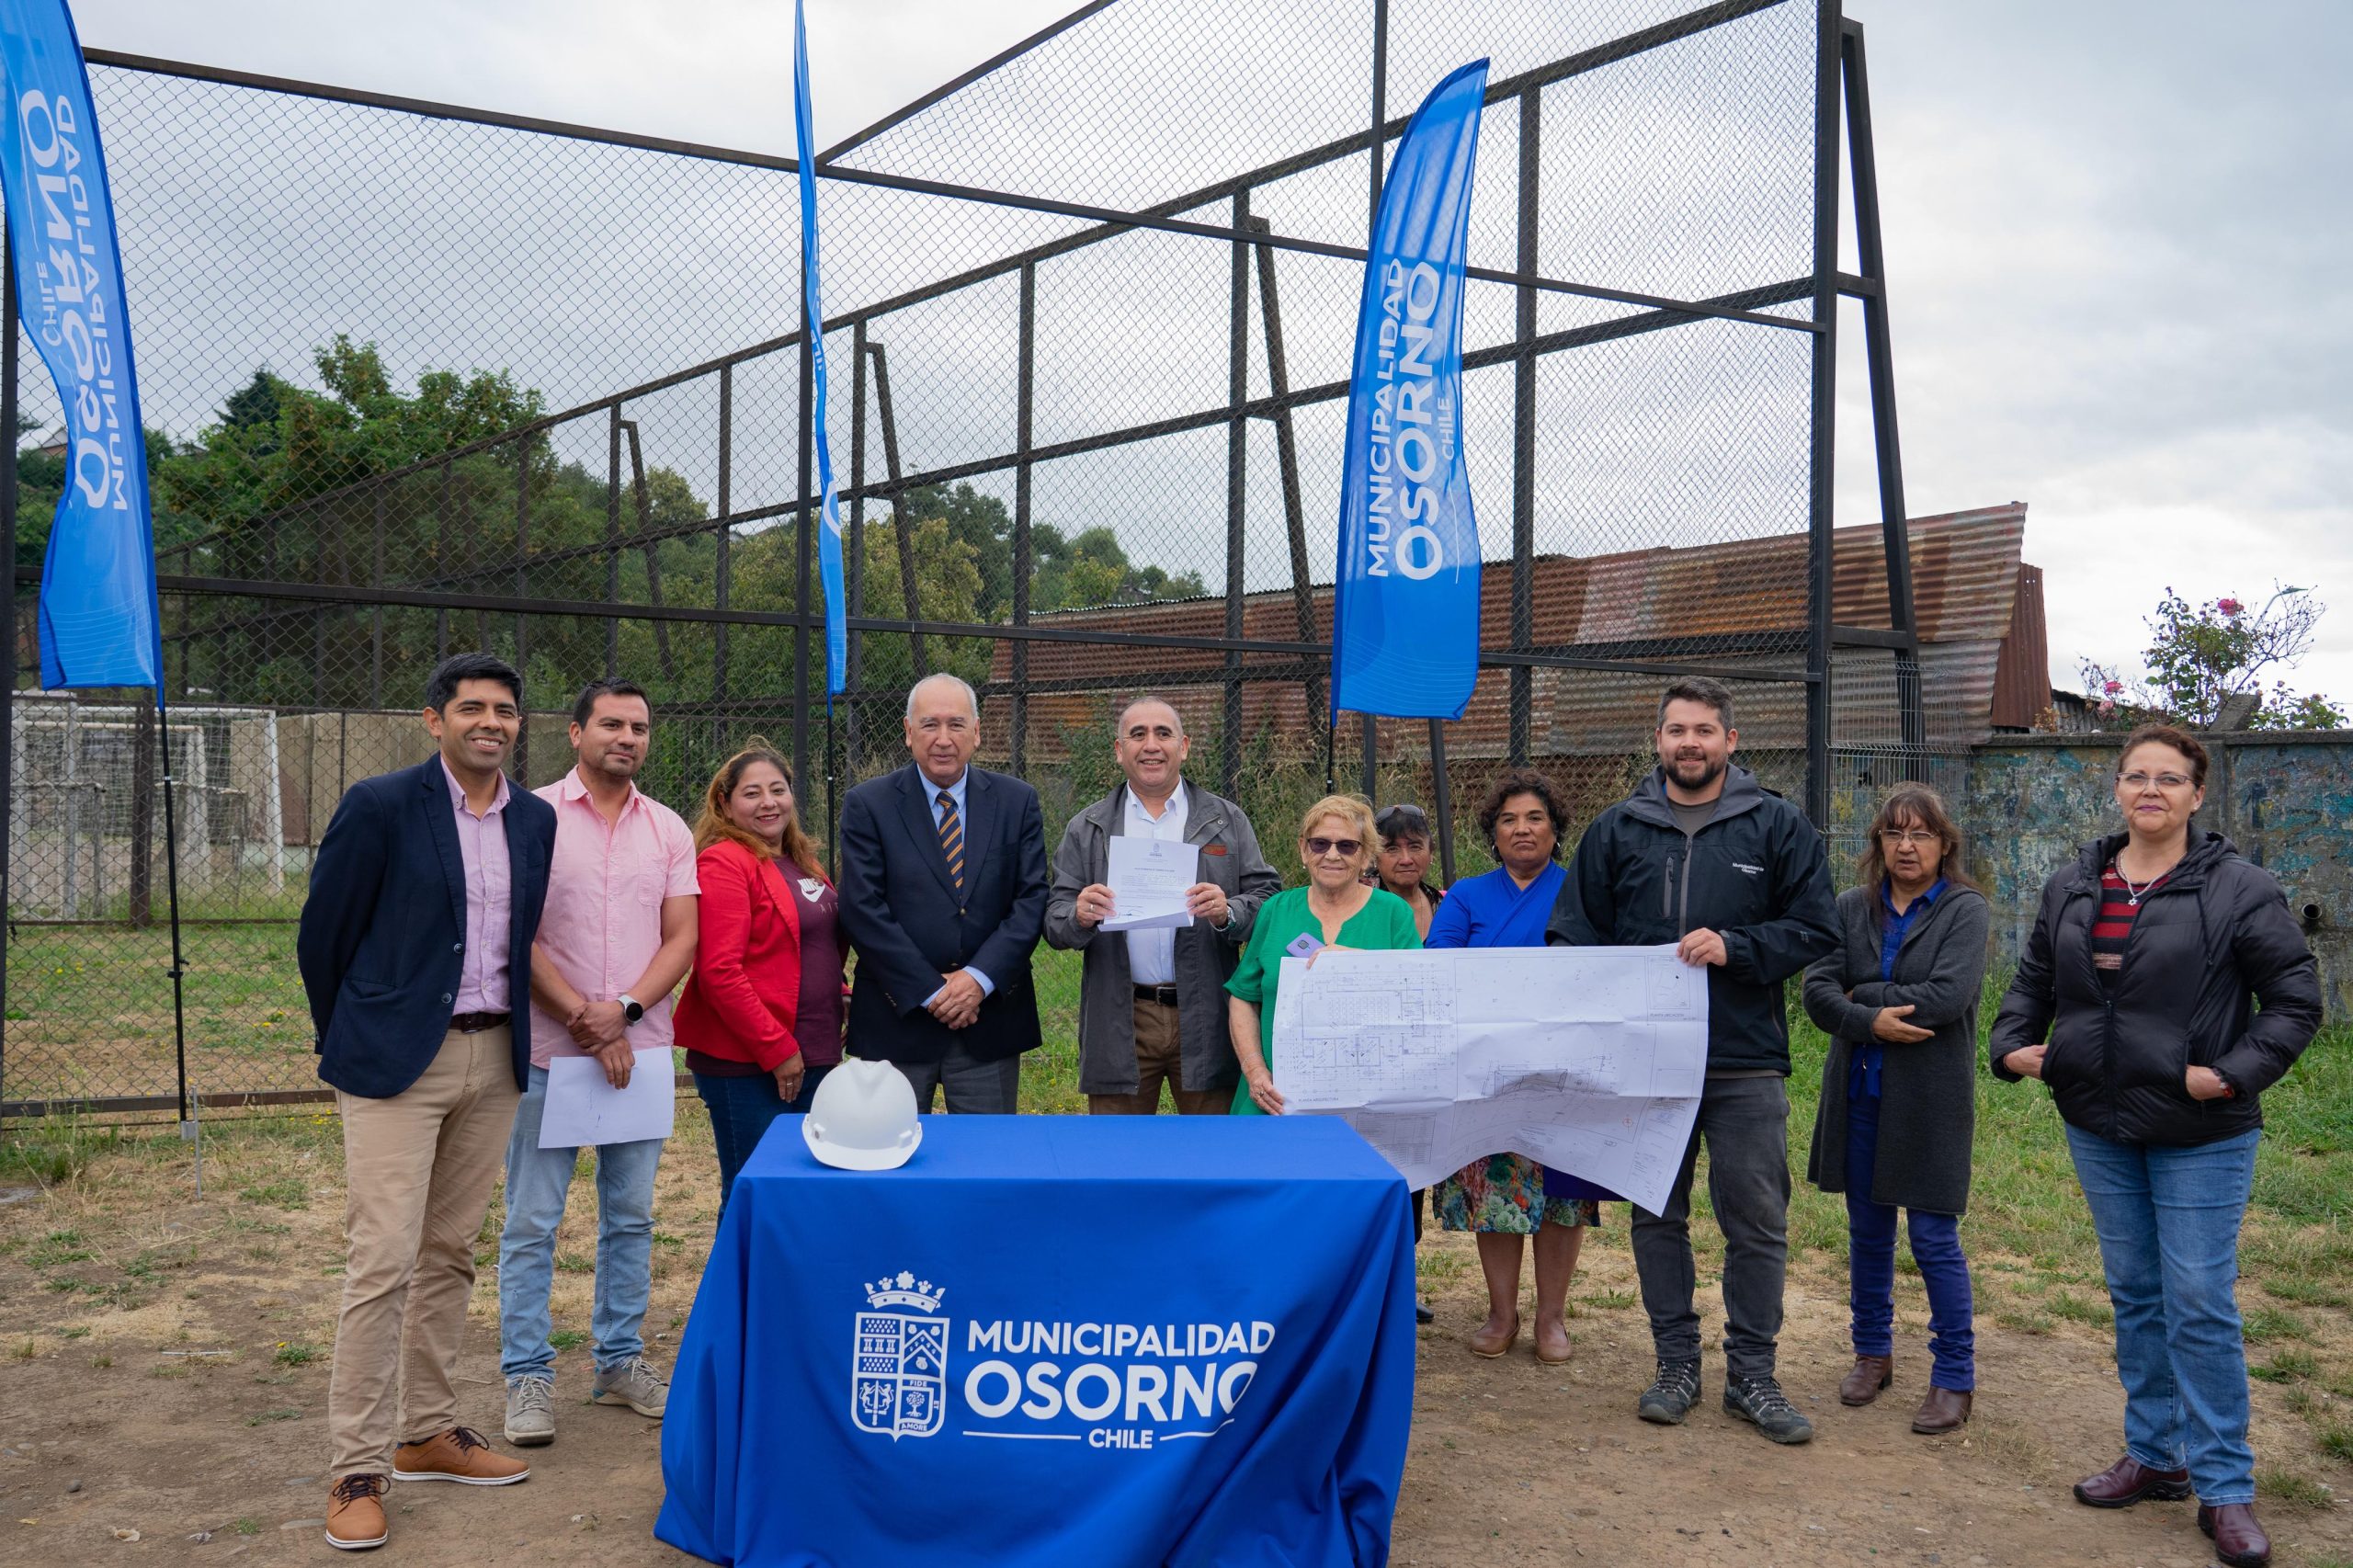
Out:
{"x": 191, "y": 1123}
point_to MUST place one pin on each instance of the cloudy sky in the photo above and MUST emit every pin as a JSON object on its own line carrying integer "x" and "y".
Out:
{"x": 2117, "y": 230}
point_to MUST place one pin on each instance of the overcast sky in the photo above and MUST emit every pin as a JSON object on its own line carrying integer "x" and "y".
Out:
{"x": 2117, "y": 232}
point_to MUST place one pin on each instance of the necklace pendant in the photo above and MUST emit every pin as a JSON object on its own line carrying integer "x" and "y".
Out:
{"x": 2134, "y": 901}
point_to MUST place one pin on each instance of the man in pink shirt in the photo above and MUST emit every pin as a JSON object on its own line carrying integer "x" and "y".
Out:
{"x": 616, "y": 936}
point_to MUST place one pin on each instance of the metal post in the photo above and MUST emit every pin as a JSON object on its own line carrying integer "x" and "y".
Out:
{"x": 723, "y": 567}
{"x": 375, "y": 617}
{"x": 1023, "y": 430}
{"x": 1523, "y": 435}
{"x": 1870, "y": 257}
{"x": 1302, "y": 598}
{"x": 1370, "y": 779}
{"x": 8, "y": 620}
{"x": 613, "y": 536}
{"x": 644, "y": 505}
{"x": 1823, "y": 412}
{"x": 804, "y": 553}
{"x": 522, "y": 590}
{"x": 902, "y": 526}
{"x": 854, "y": 567}
{"x": 1237, "y": 458}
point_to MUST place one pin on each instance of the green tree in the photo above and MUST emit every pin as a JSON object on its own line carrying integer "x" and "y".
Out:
{"x": 2208, "y": 660}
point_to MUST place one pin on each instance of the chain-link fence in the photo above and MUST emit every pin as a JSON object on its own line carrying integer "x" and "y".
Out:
{"x": 423, "y": 380}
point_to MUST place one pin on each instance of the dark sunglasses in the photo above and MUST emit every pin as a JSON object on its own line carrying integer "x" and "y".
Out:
{"x": 1347, "y": 846}
{"x": 1401, "y": 818}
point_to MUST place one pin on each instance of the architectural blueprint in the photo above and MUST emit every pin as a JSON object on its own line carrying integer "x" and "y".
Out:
{"x": 1588, "y": 1059}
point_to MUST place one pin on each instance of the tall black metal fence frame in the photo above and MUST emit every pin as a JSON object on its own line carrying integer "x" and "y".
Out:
{"x": 876, "y": 474}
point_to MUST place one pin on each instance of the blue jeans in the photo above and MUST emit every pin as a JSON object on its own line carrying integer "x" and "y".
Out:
{"x": 741, "y": 1110}
{"x": 1871, "y": 1254}
{"x": 2168, "y": 1222}
{"x": 538, "y": 1182}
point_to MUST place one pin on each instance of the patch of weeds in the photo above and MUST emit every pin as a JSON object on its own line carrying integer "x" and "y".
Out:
{"x": 2265, "y": 1325}
{"x": 247, "y": 1527}
{"x": 27, "y": 1351}
{"x": 167, "y": 1371}
{"x": 295, "y": 1353}
{"x": 286, "y": 1194}
{"x": 664, "y": 1239}
{"x": 2305, "y": 1292}
{"x": 81, "y": 1333}
{"x": 57, "y": 1248}
{"x": 56, "y": 1153}
{"x": 288, "y": 1412}
{"x": 2023, "y": 1322}
{"x": 2304, "y": 1402}
{"x": 2291, "y": 1487}
{"x": 573, "y": 1262}
{"x": 101, "y": 1362}
{"x": 2337, "y": 1441}
{"x": 567, "y": 1339}
{"x": 2286, "y": 1366}
{"x": 1607, "y": 1300}
{"x": 2074, "y": 1309}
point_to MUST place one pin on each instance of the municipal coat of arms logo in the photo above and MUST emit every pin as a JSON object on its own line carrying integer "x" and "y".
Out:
{"x": 899, "y": 1359}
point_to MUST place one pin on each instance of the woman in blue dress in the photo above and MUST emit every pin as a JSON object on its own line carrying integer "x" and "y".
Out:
{"x": 1506, "y": 1196}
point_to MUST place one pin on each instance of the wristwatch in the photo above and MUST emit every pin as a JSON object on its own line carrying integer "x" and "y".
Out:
{"x": 631, "y": 1009}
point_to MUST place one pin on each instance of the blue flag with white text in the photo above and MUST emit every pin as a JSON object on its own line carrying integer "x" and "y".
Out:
{"x": 1406, "y": 610}
{"x": 98, "y": 616}
{"x": 829, "y": 537}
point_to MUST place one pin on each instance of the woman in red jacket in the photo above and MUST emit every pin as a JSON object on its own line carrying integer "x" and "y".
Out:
{"x": 761, "y": 1015}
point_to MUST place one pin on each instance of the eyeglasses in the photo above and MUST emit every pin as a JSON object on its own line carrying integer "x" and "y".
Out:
{"x": 1348, "y": 848}
{"x": 1898, "y": 837}
{"x": 2162, "y": 781}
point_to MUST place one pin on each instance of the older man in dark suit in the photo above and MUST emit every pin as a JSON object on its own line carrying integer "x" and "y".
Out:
{"x": 943, "y": 894}
{"x": 415, "y": 951}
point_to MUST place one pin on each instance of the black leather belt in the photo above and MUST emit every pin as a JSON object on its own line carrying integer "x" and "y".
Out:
{"x": 1164, "y": 995}
{"x": 474, "y": 1023}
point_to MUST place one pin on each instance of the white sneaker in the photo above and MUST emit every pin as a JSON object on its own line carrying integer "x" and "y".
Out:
{"x": 530, "y": 1412}
{"x": 636, "y": 1383}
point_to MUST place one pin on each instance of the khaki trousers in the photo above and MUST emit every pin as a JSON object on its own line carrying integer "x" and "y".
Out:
{"x": 420, "y": 1166}
{"x": 1160, "y": 1058}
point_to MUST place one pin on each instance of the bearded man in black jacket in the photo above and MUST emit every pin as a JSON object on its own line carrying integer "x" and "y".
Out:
{"x": 1703, "y": 857}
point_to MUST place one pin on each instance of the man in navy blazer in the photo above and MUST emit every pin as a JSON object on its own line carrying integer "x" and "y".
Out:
{"x": 943, "y": 893}
{"x": 416, "y": 952}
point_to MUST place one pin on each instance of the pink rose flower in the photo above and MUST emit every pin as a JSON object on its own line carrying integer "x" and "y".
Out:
{"x": 2229, "y": 607}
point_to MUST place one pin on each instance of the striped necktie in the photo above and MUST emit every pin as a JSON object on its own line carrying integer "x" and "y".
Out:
{"x": 952, "y": 839}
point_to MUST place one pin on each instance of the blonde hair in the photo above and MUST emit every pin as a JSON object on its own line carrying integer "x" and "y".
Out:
{"x": 1354, "y": 810}
{"x": 713, "y": 826}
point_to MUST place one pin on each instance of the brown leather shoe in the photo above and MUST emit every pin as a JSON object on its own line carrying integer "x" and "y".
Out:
{"x": 1488, "y": 1344}
{"x": 1944, "y": 1410}
{"x": 1865, "y": 1378}
{"x": 2128, "y": 1480}
{"x": 355, "y": 1513}
{"x": 459, "y": 1455}
{"x": 2239, "y": 1539}
{"x": 1560, "y": 1334}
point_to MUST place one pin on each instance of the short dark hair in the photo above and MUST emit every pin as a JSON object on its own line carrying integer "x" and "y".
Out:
{"x": 2171, "y": 735}
{"x": 611, "y": 686}
{"x": 1404, "y": 819}
{"x": 1699, "y": 689}
{"x": 443, "y": 683}
{"x": 1522, "y": 782}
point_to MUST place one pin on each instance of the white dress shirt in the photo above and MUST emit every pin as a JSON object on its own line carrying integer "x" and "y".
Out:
{"x": 1151, "y": 955}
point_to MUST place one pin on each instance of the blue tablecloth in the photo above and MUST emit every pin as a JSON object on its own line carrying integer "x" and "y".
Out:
{"x": 1103, "y": 1341}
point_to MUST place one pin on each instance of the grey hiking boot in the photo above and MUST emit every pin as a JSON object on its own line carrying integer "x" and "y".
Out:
{"x": 1667, "y": 1401}
{"x": 530, "y": 1412}
{"x": 1761, "y": 1401}
{"x": 636, "y": 1383}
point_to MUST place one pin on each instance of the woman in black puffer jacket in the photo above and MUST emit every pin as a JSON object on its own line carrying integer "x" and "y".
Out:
{"x": 2136, "y": 1002}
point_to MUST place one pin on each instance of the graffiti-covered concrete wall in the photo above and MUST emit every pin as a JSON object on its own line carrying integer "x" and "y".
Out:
{"x": 2285, "y": 800}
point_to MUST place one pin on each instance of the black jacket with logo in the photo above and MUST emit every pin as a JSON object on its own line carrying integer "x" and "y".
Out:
{"x": 1755, "y": 874}
{"x": 2209, "y": 941}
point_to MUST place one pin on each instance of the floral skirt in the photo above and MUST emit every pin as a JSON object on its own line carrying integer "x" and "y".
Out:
{"x": 1506, "y": 1194}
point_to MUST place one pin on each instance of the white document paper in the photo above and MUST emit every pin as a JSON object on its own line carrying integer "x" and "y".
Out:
{"x": 1590, "y": 1060}
{"x": 584, "y": 1111}
{"x": 1148, "y": 876}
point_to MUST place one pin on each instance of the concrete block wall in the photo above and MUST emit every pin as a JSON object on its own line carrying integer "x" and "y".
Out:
{"x": 2285, "y": 798}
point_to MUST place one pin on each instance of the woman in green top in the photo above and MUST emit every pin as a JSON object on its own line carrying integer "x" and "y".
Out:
{"x": 1335, "y": 908}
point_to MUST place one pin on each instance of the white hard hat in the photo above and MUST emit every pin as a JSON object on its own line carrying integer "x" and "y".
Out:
{"x": 863, "y": 1117}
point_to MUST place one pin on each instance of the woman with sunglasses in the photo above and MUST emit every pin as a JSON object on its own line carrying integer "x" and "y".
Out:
{"x": 1403, "y": 865}
{"x": 1897, "y": 1112}
{"x": 2164, "y": 986}
{"x": 1336, "y": 909}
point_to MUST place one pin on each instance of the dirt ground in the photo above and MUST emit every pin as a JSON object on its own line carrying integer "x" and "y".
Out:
{"x": 164, "y": 1371}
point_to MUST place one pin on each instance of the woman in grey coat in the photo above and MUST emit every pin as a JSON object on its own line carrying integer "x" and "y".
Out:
{"x": 1898, "y": 1110}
